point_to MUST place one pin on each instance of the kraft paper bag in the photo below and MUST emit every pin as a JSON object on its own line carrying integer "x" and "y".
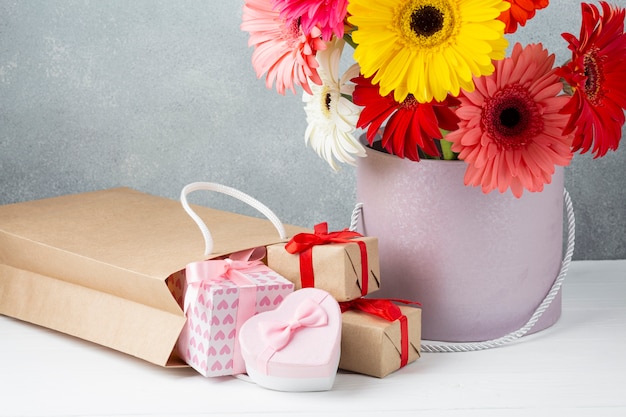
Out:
{"x": 95, "y": 265}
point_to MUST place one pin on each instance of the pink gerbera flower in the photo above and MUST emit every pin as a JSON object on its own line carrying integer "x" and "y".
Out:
{"x": 597, "y": 74}
{"x": 281, "y": 48}
{"x": 327, "y": 15}
{"x": 511, "y": 131}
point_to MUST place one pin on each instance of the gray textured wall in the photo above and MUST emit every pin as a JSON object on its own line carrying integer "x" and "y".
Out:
{"x": 156, "y": 94}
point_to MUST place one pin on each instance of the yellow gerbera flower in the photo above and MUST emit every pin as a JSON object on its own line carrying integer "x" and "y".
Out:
{"x": 427, "y": 48}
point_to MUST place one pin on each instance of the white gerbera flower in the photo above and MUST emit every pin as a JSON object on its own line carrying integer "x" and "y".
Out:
{"x": 331, "y": 116}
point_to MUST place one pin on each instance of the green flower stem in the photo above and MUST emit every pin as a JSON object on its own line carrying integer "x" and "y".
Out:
{"x": 446, "y": 150}
{"x": 348, "y": 38}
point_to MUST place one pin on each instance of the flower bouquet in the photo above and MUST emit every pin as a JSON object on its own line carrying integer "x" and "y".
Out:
{"x": 437, "y": 80}
{"x": 431, "y": 80}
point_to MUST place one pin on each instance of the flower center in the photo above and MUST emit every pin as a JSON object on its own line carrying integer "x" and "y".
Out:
{"x": 426, "y": 23}
{"x": 409, "y": 103}
{"x": 291, "y": 32}
{"x": 511, "y": 117}
{"x": 595, "y": 78}
{"x": 328, "y": 97}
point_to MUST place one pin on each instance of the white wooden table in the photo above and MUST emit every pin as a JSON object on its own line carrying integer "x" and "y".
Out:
{"x": 575, "y": 368}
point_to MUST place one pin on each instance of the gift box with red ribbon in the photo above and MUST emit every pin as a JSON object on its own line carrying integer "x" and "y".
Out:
{"x": 220, "y": 295}
{"x": 379, "y": 336}
{"x": 343, "y": 263}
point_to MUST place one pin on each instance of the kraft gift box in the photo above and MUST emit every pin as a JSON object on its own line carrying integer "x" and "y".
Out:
{"x": 336, "y": 267}
{"x": 374, "y": 346}
{"x": 220, "y": 296}
{"x": 95, "y": 265}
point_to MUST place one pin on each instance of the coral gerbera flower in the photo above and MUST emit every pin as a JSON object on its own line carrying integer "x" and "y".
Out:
{"x": 410, "y": 127}
{"x": 281, "y": 48}
{"x": 597, "y": 74}
{"x": 327, "y": 15}
{"x": 427, "y": 48}
{"x": 331, "y": 116}
{"x": 511, "y": 129}
{"x": 520, "y": 12}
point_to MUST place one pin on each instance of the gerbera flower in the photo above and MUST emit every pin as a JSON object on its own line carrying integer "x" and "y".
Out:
{"x": 597, "y": 74}
{"x": 410, "y": 125}
{"x": 427, "y": 48}
{"x": 281, "y": 48}
{"x": 327, "y": 15}
{"x": 520, "y": 12}
{"x": 511, "y": 130}
{"x": 331, "y": 116}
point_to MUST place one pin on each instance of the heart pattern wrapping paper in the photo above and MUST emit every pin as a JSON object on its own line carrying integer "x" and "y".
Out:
{"x": 208, "y": 342}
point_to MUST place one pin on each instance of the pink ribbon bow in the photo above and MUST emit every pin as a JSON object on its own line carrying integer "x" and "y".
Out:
{"x": 277, "y": 334}
{"x": 233, "y": 269}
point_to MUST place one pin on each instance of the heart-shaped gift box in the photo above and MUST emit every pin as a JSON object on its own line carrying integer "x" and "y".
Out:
{"x": 295, "y": 347}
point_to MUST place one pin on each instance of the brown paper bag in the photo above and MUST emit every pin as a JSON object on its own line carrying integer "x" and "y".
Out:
{"x": 95, "y": 265}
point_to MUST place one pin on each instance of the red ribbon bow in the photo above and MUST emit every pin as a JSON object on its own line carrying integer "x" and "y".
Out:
{"x": 385, "y": 309}
{"x": 303, "y": 244}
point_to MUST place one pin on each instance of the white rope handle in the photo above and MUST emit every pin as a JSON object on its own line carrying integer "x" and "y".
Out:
{"x": 511, "y": 337}
{"x": 233, "y": 192}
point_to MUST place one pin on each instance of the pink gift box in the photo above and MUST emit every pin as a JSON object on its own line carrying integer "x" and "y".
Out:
{"x": 295, "y": 347}
{"x": 220, "y": 295}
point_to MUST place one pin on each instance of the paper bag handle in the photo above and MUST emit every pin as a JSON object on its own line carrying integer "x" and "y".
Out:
{"x": 211, "y": 186}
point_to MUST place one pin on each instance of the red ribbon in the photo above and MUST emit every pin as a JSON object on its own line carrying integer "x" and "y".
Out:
{"x": 303, "y": 244}
{"x": 385, "y": 309}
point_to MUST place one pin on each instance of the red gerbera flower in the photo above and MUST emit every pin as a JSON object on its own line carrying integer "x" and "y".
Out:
{"x": 327, "y": 15}
{"x": 410, "y": 124}
{"x": 597, "y": 74}
{"x": 511, "y": 131}
{"x": 520, "y": 12}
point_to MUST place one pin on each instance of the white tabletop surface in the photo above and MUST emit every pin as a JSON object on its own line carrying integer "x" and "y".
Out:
{"x": 575, "y": 368}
